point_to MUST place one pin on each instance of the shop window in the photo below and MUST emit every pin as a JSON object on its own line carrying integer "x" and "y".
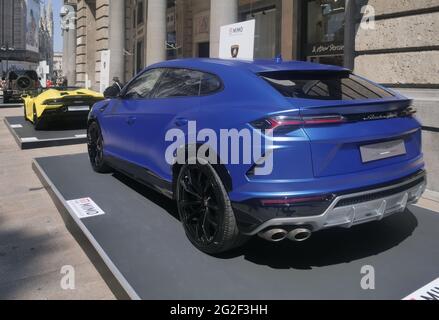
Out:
{"x": 139, "y": 56}
{"x": 140, "y": 12}
{"x": 325, "y": 23}
{"x": 265, "y": 33}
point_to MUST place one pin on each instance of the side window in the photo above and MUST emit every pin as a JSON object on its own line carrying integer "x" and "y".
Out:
{"x": 210, "y": 84}
{"x": 142, "y": 87}
{"x": 179, "y": 83}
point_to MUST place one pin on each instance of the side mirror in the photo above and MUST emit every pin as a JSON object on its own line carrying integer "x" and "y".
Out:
{"x": 112, "y": 92}
{"x": 24, "y": 96}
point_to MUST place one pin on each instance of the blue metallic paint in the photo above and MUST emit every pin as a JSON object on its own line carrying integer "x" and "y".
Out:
{"x": 308, "y": 161}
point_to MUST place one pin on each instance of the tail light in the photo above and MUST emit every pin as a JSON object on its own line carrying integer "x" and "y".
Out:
{"x": 52, "y": 102}
{"x": 288, "y": 123}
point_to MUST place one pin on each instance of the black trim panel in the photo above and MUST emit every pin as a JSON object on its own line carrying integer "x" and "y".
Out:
{"x": 396, "y": 50}
{"x": 141, "y": 175}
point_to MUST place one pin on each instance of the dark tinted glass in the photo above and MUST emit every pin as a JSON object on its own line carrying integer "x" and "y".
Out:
{"x": 179, "y": 83}
{"x": 324, "y": 86}
{"x": 210, "y": 84}
{"x": 143, "y": 85}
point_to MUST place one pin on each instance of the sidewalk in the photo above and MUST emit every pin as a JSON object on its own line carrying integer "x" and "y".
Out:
{"x": 430, "y": 201}
{"x": 34, "y": 243}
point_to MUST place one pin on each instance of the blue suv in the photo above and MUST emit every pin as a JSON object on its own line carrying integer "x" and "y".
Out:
{"x": 344, "y": 150}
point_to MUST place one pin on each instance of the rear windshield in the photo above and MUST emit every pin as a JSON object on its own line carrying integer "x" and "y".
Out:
{"x": 324, "y": 86}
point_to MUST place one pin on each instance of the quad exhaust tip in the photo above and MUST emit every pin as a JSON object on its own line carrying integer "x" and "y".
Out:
{"x": 299, "y": 235}
{"x": 278, "y": 234}
{"x": 274, "y": 235}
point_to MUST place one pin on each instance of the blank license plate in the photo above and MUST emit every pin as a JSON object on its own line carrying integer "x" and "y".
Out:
{"x": 383, "y": 150}
{"x": 79, "y": 108}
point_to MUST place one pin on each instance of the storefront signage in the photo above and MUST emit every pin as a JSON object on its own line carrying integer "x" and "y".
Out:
{"x": 237, "y": 41}
{"x": 322, "y": 49}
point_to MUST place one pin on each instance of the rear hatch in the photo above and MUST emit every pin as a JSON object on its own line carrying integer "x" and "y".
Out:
{"x": 376, "y": 126}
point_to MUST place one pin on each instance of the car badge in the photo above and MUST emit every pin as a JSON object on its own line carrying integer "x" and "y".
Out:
{"x": 235, "y": 51}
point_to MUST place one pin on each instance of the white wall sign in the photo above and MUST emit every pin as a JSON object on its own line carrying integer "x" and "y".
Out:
{"x": 42, "y": 71}
{"x": 105, "y": 70}
{"x": 85, "y": 208}
{"x": 237, "y": 41}
{"x": 429, "y": 292}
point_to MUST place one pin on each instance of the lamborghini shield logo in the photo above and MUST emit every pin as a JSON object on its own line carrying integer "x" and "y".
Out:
{"x": 235, "y": 51}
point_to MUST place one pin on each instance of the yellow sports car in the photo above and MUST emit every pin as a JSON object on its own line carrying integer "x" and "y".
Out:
{"x": 54, "y": 104}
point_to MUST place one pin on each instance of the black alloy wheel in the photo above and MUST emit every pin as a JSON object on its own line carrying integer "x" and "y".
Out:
{"x": 95, "y": 146}
{"x": 205, "y": 210}
{"x": 35, "y": 118}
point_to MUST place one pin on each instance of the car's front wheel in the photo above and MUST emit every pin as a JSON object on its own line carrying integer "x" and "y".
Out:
{"x": 205, "y": 210}
{"x": 95, "y": 145}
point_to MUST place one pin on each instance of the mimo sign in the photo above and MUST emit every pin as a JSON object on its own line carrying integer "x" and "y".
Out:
{"x": 237, "y": 41}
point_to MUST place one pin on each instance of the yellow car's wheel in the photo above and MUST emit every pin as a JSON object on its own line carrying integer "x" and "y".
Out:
{"x": 35, "y": 119}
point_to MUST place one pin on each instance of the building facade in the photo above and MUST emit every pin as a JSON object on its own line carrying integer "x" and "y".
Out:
{"x": 393, "y": 42}
{"x": 26, "y": 34}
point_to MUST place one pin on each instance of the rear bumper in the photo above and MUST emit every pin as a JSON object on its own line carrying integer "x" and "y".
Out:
{"x": 343, "y": 210}
{"x": 62, "y": 113}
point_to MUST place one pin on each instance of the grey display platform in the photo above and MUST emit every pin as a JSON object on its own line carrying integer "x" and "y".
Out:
{"x": 142, "y": 244}
{"x": 28, "y": 138}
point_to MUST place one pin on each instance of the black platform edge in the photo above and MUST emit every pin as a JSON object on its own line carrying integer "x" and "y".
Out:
{"x": 10, "y": 105}
{"x": 106, "y": 268}
{"x": 46, "y": 143}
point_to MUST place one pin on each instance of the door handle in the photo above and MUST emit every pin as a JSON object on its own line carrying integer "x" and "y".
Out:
{"x": 131, "y": 120}
{"x": 181, "y": 122}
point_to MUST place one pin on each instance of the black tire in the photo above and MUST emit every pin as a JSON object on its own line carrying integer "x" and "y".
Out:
{"x": 6, "y": 99}
{"x": 35, "y": 118}
{"x": 36, "y": 122}
{"x": 205, "y": 210}
{"x": 95, "y": 145}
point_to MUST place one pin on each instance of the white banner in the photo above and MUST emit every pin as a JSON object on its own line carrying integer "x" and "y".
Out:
{"x": 105, "y": 70}
{"x": 237, "y": 41}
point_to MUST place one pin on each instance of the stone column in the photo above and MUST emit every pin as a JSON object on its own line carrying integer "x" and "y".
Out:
{"x": 222, "y": 12}
{"x": 116, "y": 39}
{"x": 69, "y": 42}
{"x": 156, "y": 32}
{"x": 287, "y": 30}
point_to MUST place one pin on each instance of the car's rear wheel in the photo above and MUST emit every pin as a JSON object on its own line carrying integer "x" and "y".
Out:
{"x": 205, "y": 210}
{"x": 95, "y": 144}
{"x": 35, "y": 121}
